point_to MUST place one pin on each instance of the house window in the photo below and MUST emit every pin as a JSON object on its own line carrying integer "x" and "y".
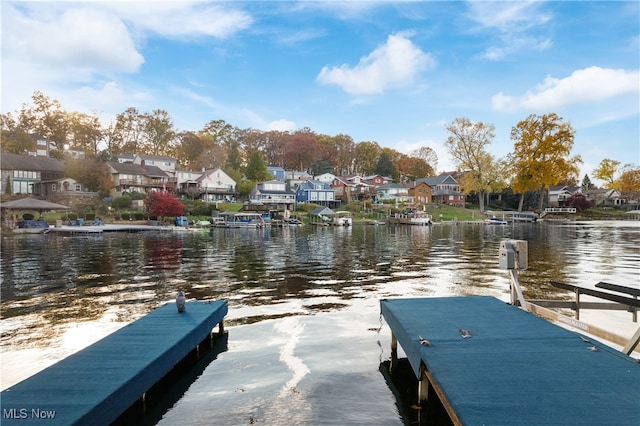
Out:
{"x": 54, "y": 188}
{"x": 78, "y": 187}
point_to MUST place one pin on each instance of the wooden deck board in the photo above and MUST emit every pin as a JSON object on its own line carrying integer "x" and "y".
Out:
{"x": 97, "y": 384}
{"x": 516, "y": 368}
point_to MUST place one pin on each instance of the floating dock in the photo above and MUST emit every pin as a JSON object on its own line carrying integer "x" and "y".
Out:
{"x": 492, "y": 363}
{"x": 99, "y": 383}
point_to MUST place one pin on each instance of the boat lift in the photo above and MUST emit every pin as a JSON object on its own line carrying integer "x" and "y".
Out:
{"x": 514, "y": 257}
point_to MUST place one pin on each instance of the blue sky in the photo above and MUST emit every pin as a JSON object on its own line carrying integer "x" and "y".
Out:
{"x": 390, "y": 72}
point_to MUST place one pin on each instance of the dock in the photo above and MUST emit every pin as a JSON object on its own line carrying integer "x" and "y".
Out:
{"x": 96, "y": 385}
{"x": 490, "y": 362}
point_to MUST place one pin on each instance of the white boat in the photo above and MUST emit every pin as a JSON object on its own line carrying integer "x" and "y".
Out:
{"x": 496, "y": 221}
{"x": 413, "y": 218}
{"x": 244, "y": 220}
{"x": 342, "y": 218}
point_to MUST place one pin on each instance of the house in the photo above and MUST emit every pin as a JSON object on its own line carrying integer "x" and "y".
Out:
{"x": 559, "y": 194}
{"x": 274, "y": 195}
{"x": 377, "y": 180}
{"x": 187, "y": 182}
{"x": 420, "y": 192}
{"x": 63, "y": 186}
{"x": 392, "y": 191}
{"x": 358, "y": 188}
{"x": 278, "y": 173}
{"x": 216, "y": 185}
{"x": 314, "y": 191}
{"x": 445, "y": 189}
{"x": 164, "y": 163}
{"x": 605, "y": 197}
{"x": 326, "y": 178}
{"x": 293, "y": 178}
{"x": 43, "y": 146}
{"x": 23, "y": 174}
{"x": 139, "y": 178}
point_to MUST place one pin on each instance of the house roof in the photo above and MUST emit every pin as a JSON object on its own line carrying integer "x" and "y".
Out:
{"x": 155, "y": 157}
{"x": 32, "y": 204}
{"x": 137, "y": 169}
{"x": 25, "y": 162}
{"x": 321, "y": 211}
{"x": 444, "y": 179}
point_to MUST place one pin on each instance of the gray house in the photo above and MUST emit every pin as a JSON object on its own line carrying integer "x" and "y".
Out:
{"x": 23, "y": 174}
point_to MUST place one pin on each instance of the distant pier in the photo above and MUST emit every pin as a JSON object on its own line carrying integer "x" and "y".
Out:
{"x": 96, "y": 385}
{"x": 492, "y": 363}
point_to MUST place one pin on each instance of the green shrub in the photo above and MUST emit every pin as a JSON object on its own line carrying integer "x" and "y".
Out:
{"x": 138, "y": 216}
{"x": 124, "y": 216}
{"x": 90, "y": 216}
{"x": 27, "y": 216}
{"x": 73, "y": 216}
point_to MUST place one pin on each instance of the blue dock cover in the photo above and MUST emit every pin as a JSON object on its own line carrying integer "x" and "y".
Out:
{"x": 97, "y": 384}
{"x": 515, "y": 368}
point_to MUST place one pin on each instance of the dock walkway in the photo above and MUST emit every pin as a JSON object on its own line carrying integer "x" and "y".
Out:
{"x": 99, "y": 383}
{"x": 493, "y": 363}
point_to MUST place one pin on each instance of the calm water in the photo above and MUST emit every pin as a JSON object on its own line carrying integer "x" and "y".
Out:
{"x": 305, "y": 339}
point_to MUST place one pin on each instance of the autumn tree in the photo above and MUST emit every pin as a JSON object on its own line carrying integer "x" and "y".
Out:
{"x": 366, "y": 159}
{"x": 467, "y": 144}
{"x": 428, "y": 155}
{"x": 13, "y": 139}
{"x": 90, "y": 172}
{"x": 128, "y": 128}
{"x": 606, "y": 172}
{"x": 541, "y": 154}
{"x": 163, "y": 204}
{"x": 158, "y": 130}
{"x": 629, "y": 182}
{"x": 301, "y": 150}
{"x": 47, "y": 118}
{"x": 85, "y": 132}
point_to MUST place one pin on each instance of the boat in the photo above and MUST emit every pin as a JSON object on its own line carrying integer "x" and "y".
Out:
{"x": 31, "y": 227}
{"x": 244, "y": 220}
{"x": 525, "y": 217}
{"x": 412, "y": 218}
{"x": 342, "y": 218}
{"x": 496, "y": 221}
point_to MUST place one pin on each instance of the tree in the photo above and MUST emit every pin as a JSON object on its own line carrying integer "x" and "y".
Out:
{"x": 428, "y": 155}
{"x": 541, "y": 154}
{"x": 467, "y": 144}
{"x": 366, "y": 159}
{"x": 128, "y": 127}
{"x": 578, "y": 201}
{"x": 13, "y": 139}
{"x": 256, "y": 169}
{"x": 163, "y": 204}
{"x": 629, "y": 182}
{"x": 85, "y": 132}
{"x": 47, "y": 118}
{"x": 90, "y": 172}
{"x": 606, "y": 171}
{"x": 158, "y": 130}
{"x": 385, "y": 166}
{"x": 586, "y": 184}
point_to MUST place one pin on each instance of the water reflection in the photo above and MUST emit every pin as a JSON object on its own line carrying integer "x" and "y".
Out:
{"x": 50, "y": 283}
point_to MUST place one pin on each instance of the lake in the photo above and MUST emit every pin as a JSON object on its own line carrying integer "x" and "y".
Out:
{"x": 306, "y": 342}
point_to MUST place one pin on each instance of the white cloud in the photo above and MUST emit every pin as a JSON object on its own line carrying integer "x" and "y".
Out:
{"x": 281, "y": 125}
{"x": 512, "y": 22}
{"x": 78, "y": 39}
{"x": 394, "y": 64}
{"x": 582, "y": 86}
{"x": 183, "y": 19}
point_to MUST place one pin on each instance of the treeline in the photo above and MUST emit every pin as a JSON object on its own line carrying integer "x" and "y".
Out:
{"x": 217, "y": 144}
{"x": 541, "y": 155}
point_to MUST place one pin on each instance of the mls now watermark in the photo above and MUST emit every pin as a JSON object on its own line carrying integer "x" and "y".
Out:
{"x": 25, "y": 413}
